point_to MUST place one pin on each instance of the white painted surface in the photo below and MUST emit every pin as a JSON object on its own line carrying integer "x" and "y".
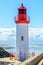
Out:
{"x": 22, "y": 45}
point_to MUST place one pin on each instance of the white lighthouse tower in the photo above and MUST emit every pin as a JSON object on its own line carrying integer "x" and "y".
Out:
{"x": 22, "y": 34}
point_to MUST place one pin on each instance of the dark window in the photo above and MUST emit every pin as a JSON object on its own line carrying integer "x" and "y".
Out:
{"x": 22, "y": 38}
{"x": 22, "y": 11}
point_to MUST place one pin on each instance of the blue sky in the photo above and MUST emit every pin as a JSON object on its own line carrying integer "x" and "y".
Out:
{"x": 8, "y": 9}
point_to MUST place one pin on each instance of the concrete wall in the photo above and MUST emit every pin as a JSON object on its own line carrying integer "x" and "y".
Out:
{"x": 34, "y": 60}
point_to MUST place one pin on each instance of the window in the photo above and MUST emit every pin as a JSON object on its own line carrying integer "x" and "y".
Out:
{"x": 22, "y": 38}
{"x": 22, "y": 11}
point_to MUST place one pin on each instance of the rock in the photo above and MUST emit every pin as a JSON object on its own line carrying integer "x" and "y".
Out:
{"x": 3, "y": 53}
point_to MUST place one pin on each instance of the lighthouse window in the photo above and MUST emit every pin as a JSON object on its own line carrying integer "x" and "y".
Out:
{"x": 22, "y": 38}
{"x": 22, "y": 11}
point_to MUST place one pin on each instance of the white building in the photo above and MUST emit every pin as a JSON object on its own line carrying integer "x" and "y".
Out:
{"x": 22, "y": 34}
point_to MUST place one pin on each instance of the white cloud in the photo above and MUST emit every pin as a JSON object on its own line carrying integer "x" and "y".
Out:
{"x": 5, "y": 33}
{"x": 36, "y": 32}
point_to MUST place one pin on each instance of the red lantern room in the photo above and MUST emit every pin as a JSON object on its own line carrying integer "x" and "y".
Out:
{"x": 22, "y": 16}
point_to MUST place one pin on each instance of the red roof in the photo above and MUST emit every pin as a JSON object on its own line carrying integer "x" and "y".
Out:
{"x": 22, "y": 7}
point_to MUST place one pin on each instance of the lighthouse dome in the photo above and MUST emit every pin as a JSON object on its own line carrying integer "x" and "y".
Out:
{"x": 22, "y": 7}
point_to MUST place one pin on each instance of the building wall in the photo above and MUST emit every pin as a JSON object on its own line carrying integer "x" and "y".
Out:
{"x": 22, "y": 40}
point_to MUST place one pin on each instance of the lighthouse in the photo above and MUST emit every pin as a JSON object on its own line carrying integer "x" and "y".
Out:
{"x": 22, "y": 45}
